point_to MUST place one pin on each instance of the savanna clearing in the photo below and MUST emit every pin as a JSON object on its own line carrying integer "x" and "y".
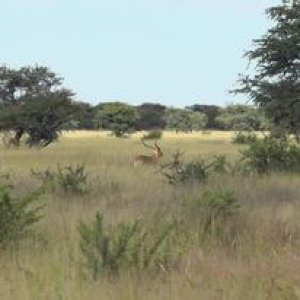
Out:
{"x": 250, "y": 252}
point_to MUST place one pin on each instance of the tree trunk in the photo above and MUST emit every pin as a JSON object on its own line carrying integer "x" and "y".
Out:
{"x": 15, "y": 141}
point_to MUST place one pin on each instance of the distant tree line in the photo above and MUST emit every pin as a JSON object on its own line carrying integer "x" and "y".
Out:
{"x": 35, "y": 108}
{"x": 122, "y": 118}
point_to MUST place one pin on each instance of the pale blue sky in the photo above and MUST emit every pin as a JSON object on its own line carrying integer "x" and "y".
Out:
{"x": 176, "y": 52}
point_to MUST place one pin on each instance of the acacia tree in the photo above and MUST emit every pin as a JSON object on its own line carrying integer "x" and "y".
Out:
{"x": 118, "y": 117}
{"x": 85, "y": 116}
{"x": 185, "y": 120}
{"x": 243, "y": 117}
{"x": 211, "y": 112}
{"x": 151, "y": 116}
{"x": 276, "y": 83}
{"x": 33, "y": 104}
{"x": 198, "y": 120}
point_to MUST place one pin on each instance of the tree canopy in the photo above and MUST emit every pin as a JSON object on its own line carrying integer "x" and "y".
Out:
{"x": 33, "y": 104}
{"x": 118, "y": 117}
{"x": 185, "y": 120}
{"x": 276, "y": 86}
{"x": 243, "y": 117}
{"x": 151, "y": 116}
{"x": 211, "y": 112}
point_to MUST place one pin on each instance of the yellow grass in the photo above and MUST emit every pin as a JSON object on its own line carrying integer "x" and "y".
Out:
{"x": 264, "y": 266}
{"x": 209, "y": 135}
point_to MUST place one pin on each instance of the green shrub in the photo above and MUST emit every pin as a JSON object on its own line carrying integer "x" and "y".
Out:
{"x": 179, "y": 172}
{"x": 127, "y": 245}
{"x": 220, "y": 164}
{"x": 272, "y": 154}
{"x": 17, "y": 215}
{"x": 211, "y": 214}
{"x": 69, "y": 179}
{"x": 153, "y": 135}
{"x": 198, "y": 171}
{"x": 194, "y": 171}
{"x": 72, "y": 179}
{"x": 244, "y": 138}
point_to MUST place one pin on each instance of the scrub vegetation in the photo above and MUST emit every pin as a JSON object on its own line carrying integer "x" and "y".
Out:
{"x": 91, "y": 226}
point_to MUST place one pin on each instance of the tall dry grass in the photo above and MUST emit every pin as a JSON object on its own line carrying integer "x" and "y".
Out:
{"x": 261, "y": 262}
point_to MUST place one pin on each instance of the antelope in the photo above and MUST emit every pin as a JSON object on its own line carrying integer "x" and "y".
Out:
{"x": 147, "y": 159}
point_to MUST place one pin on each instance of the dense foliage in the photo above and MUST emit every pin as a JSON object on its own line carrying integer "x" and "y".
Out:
{"x": 276, "y": 85}
{"x": 185, "y": 120}
{"x": 151, "y": 116}
{"x": 272, "y": 155}
{"x": 17, "y": 215}
{"x": 118, "y": 117}
{"x": 33, "y": 104}
{"x": 242, "y": 117}
{"x": 211, "y": 112}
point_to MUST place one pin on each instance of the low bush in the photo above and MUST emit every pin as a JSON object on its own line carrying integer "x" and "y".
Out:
{"x": 244, "y": 138}
{"x": 220, "y": 164}
{"x": 212, "y": 215}
{"x": 72, "y": 179}
{"x": 271, "y": 154}
{"x": 178, "y": 172}
{"x": 18, "y": 215}
{"x": 153, "y": 135}
{"x": 69, "y": 179}
{"x": 111, "y": 249}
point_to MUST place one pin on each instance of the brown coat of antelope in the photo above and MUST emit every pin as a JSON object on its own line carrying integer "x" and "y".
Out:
{"x": 148, "y": 159}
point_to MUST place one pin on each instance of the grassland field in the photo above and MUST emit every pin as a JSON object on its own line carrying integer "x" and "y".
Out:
{"x": 264, "y": 264}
